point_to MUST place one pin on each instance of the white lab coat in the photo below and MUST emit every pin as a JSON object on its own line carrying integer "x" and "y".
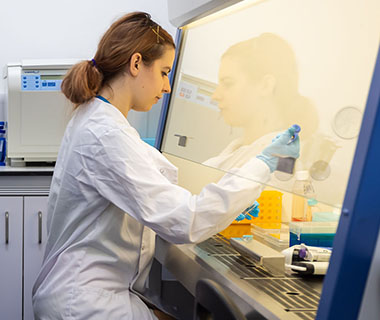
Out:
{"x": 109, "y": 191}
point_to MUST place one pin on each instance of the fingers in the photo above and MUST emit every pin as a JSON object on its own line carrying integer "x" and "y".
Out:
{"x": 284, "y": 137}
{"x": 290, "y": 135}
{"x": 251, "y": 211}
{"x": 278, "y": 136}
{"x": 240, "y": 217}
{"x": 254, "y": 210}
{"x": 291, "y": 130}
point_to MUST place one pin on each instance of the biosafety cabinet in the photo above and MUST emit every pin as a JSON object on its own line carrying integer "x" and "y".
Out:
{"x": 247, "y": 70}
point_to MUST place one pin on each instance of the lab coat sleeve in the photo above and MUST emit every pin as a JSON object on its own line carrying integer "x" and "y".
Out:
{"x": 122, "y": 171}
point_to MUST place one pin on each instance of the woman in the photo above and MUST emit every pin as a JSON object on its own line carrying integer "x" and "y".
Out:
{"x": 110, "y": 190}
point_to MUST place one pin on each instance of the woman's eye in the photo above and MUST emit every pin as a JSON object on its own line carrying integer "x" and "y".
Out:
{"x": 164, "y": 74}
{"x": 227, "y": 82}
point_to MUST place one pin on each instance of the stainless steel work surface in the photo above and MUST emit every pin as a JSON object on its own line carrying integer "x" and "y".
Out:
{"x": 249, "y": 284}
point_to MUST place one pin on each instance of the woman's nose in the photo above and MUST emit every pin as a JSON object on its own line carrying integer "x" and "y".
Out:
{"x": 166, "y": 88}
{"x": 216, "y": 95}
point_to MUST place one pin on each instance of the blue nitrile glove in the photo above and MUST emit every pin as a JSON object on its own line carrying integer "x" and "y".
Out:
{"x": 286, "y": 144}
{"x": 253, "y": 211}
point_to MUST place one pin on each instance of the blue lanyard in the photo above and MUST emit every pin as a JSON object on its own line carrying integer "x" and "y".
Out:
{"x": 103, "y": 99}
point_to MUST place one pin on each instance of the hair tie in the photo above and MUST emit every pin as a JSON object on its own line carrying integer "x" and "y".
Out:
{"x": 93, "y": 62}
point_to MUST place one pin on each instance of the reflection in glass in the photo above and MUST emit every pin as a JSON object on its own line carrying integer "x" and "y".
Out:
{"x": 247, "y": 74}
{"x": 258, "y": 92}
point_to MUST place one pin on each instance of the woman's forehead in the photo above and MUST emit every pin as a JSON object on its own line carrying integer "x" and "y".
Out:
{"x": 167, "y": 59}
{"x": 231, "y": 68}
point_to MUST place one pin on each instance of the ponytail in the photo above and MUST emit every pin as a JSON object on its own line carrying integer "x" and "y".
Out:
{"x": 82, "y": 82}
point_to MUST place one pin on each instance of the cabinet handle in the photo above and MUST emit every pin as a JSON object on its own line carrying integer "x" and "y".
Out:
{"x": 182, "y": 140}
{"x": 6, "y": 227}
{"x": 39, "y": 227}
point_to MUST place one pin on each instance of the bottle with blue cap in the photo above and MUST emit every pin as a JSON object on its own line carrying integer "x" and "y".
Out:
{"x": 2, "y": 143}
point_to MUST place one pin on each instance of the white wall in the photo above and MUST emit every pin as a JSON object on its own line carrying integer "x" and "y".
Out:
{"x": 56, "y": 29}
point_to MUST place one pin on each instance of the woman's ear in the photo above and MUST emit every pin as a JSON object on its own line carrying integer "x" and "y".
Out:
{"x": 267, "y": 85}
{"x": 135, "y": 64}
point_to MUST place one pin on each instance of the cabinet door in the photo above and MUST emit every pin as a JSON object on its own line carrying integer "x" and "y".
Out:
{"x": 34, "y": 245}
{"x": 11, "y": 257}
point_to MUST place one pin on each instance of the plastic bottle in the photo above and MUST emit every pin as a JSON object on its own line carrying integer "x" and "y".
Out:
{"x": 303, "y": 191}
{"x": 313, "y": 207}
{"x": 2, "y": 143}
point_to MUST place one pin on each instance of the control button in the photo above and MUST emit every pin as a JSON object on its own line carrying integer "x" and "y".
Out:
{"x": 37, "y": 86}
{"x": 51, "y": 84}
{"x": 44, "y": 84}
{"x": 24, "y": 86}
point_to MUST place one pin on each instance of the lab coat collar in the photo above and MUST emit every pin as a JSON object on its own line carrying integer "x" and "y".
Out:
{"x": 115, "y": 112}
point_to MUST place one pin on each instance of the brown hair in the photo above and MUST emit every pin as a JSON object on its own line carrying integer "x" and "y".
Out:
{"x": 132, "y": 33}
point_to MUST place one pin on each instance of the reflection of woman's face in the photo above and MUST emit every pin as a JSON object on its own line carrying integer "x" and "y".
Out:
{"x": 235, "y": 94}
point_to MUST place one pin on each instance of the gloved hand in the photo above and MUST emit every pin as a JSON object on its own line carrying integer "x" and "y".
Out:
{"x": 253, "y": 211}
{"x": 286, "y": 144}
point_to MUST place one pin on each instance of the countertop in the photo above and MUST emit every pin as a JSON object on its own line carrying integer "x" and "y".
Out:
{"x": 21, "y": 181}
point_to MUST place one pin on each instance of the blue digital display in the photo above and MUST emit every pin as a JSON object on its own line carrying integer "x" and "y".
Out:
{"x": 33, "y": 82}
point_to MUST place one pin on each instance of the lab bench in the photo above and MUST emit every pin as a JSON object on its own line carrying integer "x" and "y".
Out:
{"x": 256, "y": 291}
